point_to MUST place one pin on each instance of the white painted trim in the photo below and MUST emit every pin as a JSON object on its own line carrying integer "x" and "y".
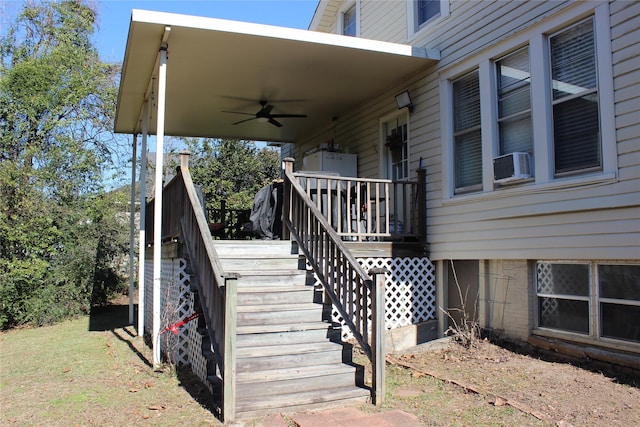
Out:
{"x": 446, "y": 137}
{"x": 132, "y": 224}
{"x": 318, "y": 15}
{"x": 536, "y": 37}
{"x": 605, "y": 89}
{"x": 541, "y": 115}
{"x": 413, "y": 29}
{"x": 282, "y": 33}
{"x": 488, "y": 120}
{"x": 340, "y": 18}
{"x": 143, "y": 214}
{"x": 157, "y": 211}
{"x": 383, "y": 158}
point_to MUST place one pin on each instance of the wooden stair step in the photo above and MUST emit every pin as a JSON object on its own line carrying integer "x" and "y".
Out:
{"x": 270, "y": 314}
{"x": 269, "y": 375}
{"x": 290, "y": 349}
{"x": 308, "y": 336}
{"x": 261, "y": 358}
{"x": 281, "y": 327}
{"x": 234, "y": 247}
{"x": 254, "y": 295}
{"x": 256, "y": 277}
{"x": 301, "y": 402}
{"x": 299, "y": 380}
{"x": 279, "y": 308}
{"x": 259, "y": 264}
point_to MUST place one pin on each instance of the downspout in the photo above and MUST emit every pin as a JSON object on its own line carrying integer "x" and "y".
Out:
{"x": 132, "y": 224}
{"x": 157, "y": 211}
{"x": 142, "y": 244}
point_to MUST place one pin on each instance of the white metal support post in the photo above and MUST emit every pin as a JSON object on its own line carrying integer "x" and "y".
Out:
{"x": 132, "y": 224}
{"x": 157, "y": 211}
{"x": 143, "y": 216}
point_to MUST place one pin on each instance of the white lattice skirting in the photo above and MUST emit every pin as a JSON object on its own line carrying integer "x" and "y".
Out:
{"x": 176, "y": 303}
{"x": 410, "y": 291}
{"x": 410, "y": 298}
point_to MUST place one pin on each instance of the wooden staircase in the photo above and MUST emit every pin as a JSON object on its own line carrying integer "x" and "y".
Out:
{"x": 289, "y": 355}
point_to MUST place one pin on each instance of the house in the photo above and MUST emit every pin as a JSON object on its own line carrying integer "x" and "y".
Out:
{"x": 508, "y": 129}
{"x": 528, "y": 127}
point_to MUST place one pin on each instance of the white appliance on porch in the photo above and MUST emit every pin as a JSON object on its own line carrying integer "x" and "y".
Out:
{"x": 342, "y": 164}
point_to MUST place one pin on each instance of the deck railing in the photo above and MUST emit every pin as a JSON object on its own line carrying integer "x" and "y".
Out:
{"x": 360, "y": 209}
{"x": 183, "y": 215}
{"x": 349, "y": 287}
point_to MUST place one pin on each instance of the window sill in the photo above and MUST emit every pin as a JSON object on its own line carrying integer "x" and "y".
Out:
{"x": 530, "y": 187}
{"x": 606, "y": 343}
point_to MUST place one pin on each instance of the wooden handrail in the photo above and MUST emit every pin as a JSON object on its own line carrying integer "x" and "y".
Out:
{"x": 184, "y": 217}
{"x": 366, "y": 208}
{"x": 349, "y": 287}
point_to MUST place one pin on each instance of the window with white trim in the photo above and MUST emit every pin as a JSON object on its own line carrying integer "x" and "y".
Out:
{"x": 348, "y": 19}
{"x": 421, "y": 13}
{"x": 397, "y": 144}
{"x": 349, "y": 22}
{"x": 427, "y": 9}
{"x": 576, "y": 125}
{"x": 514, "y": 103}
{"x": 467, "y": 133}
{"x": 600, "y": 300}
{"x": 558, "y": 108}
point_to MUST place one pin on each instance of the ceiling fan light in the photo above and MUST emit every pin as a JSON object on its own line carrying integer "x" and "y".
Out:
{"x": 263, "y": 119}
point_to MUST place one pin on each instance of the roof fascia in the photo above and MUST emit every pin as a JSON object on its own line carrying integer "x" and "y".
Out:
{"x": 283, "y": 33}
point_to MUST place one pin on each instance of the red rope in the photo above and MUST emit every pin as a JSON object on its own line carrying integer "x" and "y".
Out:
{"x": 174, "y": 328}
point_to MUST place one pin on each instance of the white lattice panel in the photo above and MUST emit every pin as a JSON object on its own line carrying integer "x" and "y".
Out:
{"x": 176, "y": 303}
{"x": 410, "y": 291}
{"x": 197, "y": 360}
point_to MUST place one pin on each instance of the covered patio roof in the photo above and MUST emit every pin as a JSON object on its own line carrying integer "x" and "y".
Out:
{"x": 217, "y": 65}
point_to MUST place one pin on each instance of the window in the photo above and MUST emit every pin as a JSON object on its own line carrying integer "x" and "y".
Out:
{"x": 514, "y": 103}
{"x": 567, "y": 292}
{"x": 421, "y": 13}
{"x": 349, "y": 22}
{"x": 563, "y": 296}
{"x": 427, "y": 9}
{"x": 576, "y": 126}
{"x": 619, "y": 299}
{"x": 467, "y": 133}
{"x": 396, "y": 141}
{"x": 546, "y": 92}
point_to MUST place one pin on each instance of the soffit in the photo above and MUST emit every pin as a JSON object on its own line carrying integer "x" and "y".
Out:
{"x": 218, "y": 65}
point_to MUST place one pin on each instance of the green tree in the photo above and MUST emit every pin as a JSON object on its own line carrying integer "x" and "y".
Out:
{"x": 57, "y": 102}
{"x": 232, "y": 170}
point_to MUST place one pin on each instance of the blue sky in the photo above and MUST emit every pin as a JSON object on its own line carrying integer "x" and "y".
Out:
{"x": 114, "y": 16}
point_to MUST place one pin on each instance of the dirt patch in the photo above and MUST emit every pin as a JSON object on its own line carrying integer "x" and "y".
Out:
{"x": 548, "y": 393}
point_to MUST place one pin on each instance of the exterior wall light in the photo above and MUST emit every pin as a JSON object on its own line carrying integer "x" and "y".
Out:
{"x": 404, "y": 100}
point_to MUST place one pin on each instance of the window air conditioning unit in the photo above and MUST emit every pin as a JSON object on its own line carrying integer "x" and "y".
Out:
{"x": 511, "y": 167}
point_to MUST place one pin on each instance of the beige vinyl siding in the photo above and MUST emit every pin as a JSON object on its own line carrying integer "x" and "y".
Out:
{"x": 560, "y": 219}
{"x": 384, "y": 20}
{"x": 600, "y": 220}
{"x": 625, "y": 44}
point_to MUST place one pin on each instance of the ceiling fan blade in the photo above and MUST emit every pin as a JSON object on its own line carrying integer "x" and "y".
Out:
{"x": 245, "y": 120}
{"x": 238, "y": 112}
{"x": 275, "y": 123}
{"x": 288, "y": 115}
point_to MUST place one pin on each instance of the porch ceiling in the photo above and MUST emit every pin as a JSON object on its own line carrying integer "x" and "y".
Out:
{"x": 216, "y": 65}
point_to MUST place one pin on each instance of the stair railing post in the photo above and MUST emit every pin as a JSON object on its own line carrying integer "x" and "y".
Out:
{"x": 229, "y": 375}
{"x": 421, "y": 209}
{"x": 378, "y": 334}
{"x": 287, "y": 166}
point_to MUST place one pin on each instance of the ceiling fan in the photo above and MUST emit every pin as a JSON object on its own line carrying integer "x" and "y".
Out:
{"x": 264, "y": 114}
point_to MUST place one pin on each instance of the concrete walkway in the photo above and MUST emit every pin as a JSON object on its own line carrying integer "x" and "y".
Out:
{"x": 343, "y": 417}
